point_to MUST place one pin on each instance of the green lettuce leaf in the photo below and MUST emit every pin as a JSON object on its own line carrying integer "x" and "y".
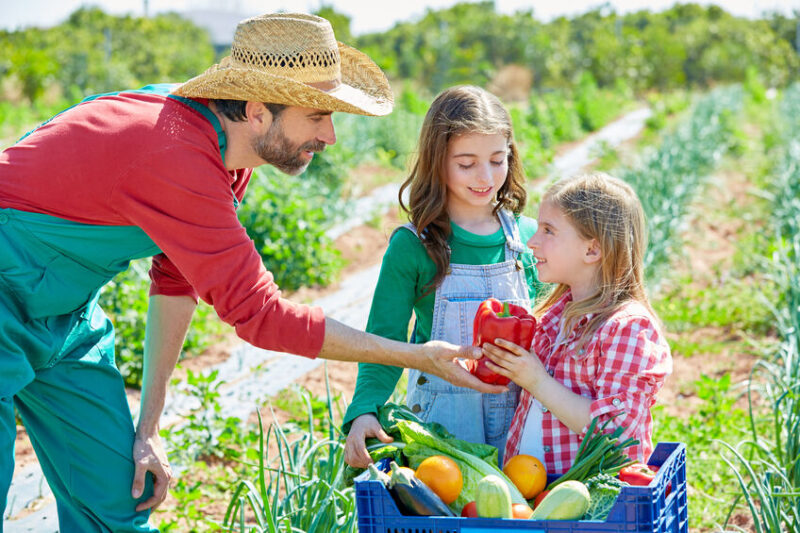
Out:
{"x": 473, "y": 468}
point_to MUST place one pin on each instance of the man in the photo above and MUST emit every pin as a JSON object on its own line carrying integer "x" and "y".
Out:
{"x": 145, "y": 173}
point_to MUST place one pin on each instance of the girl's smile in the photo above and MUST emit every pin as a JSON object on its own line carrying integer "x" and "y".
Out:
{"x": 476, "y": 168}
{"x": 562, "y": 254}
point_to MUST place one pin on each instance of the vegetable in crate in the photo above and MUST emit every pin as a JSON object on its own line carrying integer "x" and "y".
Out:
{"x": 603, "y": 492}
{"x": 527, "y": 473}
{"x": 521, "y": 510}
{"x": 474, "y": 460}
{"x": 640, "y": 475}
{"x": 377, "y": 475}
{"x": 389, "y": 415}
{"x": 567, "y": 501}
{"x": 599, "y": 453}
{"x": 442, "y": 475}
{"x": 470, "y": 510}
{"x": 493, "y": 320}
{"x": 493, "y": 499}
{"x": 413, "y": 495}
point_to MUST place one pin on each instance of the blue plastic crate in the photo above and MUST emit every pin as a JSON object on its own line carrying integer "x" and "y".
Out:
{"x": 638, "y": 509}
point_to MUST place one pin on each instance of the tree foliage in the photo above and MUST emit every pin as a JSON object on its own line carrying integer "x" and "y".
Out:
{"x": 94, "y": 52}
{"x": 687, "y": 44}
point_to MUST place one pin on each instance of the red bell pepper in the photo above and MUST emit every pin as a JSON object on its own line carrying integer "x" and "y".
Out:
{"x": 640, "y": 474}
{"x": 494, "y": 320}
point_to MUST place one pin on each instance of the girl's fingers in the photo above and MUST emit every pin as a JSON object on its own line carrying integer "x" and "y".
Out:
{"x": 497, "y": 369}
{"x": 497, "y": 353}
{"x": 511, "y": 347}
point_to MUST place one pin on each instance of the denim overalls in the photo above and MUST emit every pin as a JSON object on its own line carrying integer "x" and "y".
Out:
{"x": 57, "y": 361}
{"x": 468, "y": 414}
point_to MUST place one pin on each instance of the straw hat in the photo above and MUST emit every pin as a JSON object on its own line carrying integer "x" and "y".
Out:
{"x": 294, "y": 59}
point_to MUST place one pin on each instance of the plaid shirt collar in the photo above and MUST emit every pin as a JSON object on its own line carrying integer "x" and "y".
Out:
{"x": 550, "y": 325}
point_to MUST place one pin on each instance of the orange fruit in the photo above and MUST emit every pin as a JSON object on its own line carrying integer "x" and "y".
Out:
{"x": 527, "y": 473}
{"x": 521, "y": 510}
{"x": 442, "y": 475}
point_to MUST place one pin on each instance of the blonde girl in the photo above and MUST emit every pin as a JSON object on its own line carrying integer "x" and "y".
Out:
{"x": 464, "y": 243}
{"x": 599, "y": 351}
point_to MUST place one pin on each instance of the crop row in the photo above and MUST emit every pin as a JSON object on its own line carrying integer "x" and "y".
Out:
{"x": 767, "y": 463}
{"x": 300, "y": 488}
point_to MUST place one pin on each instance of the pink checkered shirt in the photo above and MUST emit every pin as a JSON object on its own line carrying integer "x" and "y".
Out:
{"x": 621, "y": 368}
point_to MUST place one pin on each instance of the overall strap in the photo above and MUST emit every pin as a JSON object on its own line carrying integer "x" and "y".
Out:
{"x": 164, "y": 89}
{"x": 222, "y": 140}
{"x": 409, "y": 226}
{"x": 413, "y": 229}
{"x": 511, "y": 229}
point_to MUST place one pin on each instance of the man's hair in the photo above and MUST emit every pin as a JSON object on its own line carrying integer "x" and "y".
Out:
{"x": 235, "y": 109}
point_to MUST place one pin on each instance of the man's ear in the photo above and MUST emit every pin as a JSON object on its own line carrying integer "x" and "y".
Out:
{"x": 593, "y": 252}
{"x": 258, "y": 116}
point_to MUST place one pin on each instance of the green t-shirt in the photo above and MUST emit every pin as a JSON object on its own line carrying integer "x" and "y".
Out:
{"x": 405, "y": 272}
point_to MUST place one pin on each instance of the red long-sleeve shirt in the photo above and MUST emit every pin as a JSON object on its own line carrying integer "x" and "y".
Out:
{"x": 149, "y": 161}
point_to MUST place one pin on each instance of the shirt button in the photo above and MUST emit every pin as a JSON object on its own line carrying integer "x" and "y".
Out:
{"x": 416, "y": 408}
{"x": 551, "y": 372}
{"x": 546, "y": 448}
{"x": 422, "y": 380}
{"x": 544, "y": 409}
{"x": 3, "y": 218}
{"x": 615, "y": 402}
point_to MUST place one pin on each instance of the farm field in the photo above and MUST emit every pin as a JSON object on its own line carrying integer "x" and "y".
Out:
{"x": 716, "y": 342}
{"x": 716, "y": 165}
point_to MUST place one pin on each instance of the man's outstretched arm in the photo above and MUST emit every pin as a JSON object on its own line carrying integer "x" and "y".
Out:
{"x": 343, "y": 343}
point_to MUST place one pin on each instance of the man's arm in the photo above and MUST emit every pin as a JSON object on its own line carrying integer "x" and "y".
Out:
{"x": 344, "y": 343}
{"x": 168, "y": 319}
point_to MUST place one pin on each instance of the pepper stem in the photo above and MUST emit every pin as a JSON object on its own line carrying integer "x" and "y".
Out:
{"x": 506, "y": 310}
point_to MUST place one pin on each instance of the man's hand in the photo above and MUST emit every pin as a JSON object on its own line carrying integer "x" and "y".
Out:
{"x": 149, "y": 456}
{"x": 443, "y": 362}
{"x": 355, "y": 449}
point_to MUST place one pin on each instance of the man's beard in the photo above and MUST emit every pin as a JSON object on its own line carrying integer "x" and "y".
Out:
{"x": 276, "y": 149}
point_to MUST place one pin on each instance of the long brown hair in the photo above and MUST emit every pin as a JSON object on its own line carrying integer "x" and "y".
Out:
{"x": 606, "y": 209}
{"x": 456, "y": 111}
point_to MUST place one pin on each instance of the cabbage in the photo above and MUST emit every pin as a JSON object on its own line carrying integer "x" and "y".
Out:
{"x": 476, "y": 461}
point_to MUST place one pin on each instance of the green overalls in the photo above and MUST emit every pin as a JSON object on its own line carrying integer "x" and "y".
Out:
{"x": 57, "y": 361}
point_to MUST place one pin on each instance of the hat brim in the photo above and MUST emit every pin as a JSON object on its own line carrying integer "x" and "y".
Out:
{"x": 363, "y": 90}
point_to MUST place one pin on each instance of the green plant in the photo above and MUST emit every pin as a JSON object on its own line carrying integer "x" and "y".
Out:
{"x": 204, "y": 432}
{"x": 298, "y": 490}
{"x": 670, "y": 176}
{"x": 288, "y": 225}
{"x": 714, "y": 416}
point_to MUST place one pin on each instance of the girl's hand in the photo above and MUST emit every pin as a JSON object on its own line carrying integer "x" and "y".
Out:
{"x": 516, "y": 363}
{"x": 355, "y": 449}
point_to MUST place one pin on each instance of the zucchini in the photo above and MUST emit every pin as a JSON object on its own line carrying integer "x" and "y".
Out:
{"x": 413, "y": 496}
{"x": 493, "y": 499}
{"x": 569, "y": 500}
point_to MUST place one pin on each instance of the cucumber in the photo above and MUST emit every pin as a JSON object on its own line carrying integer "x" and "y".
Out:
{"x": 493, "y": 499}
{"x": 567, "y": 501}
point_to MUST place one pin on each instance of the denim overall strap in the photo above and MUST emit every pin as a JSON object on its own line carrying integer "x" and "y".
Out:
{"x": 468, "y": 414}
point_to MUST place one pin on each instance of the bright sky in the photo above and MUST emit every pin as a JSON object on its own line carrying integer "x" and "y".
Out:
{"x": 365, "y": 16}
